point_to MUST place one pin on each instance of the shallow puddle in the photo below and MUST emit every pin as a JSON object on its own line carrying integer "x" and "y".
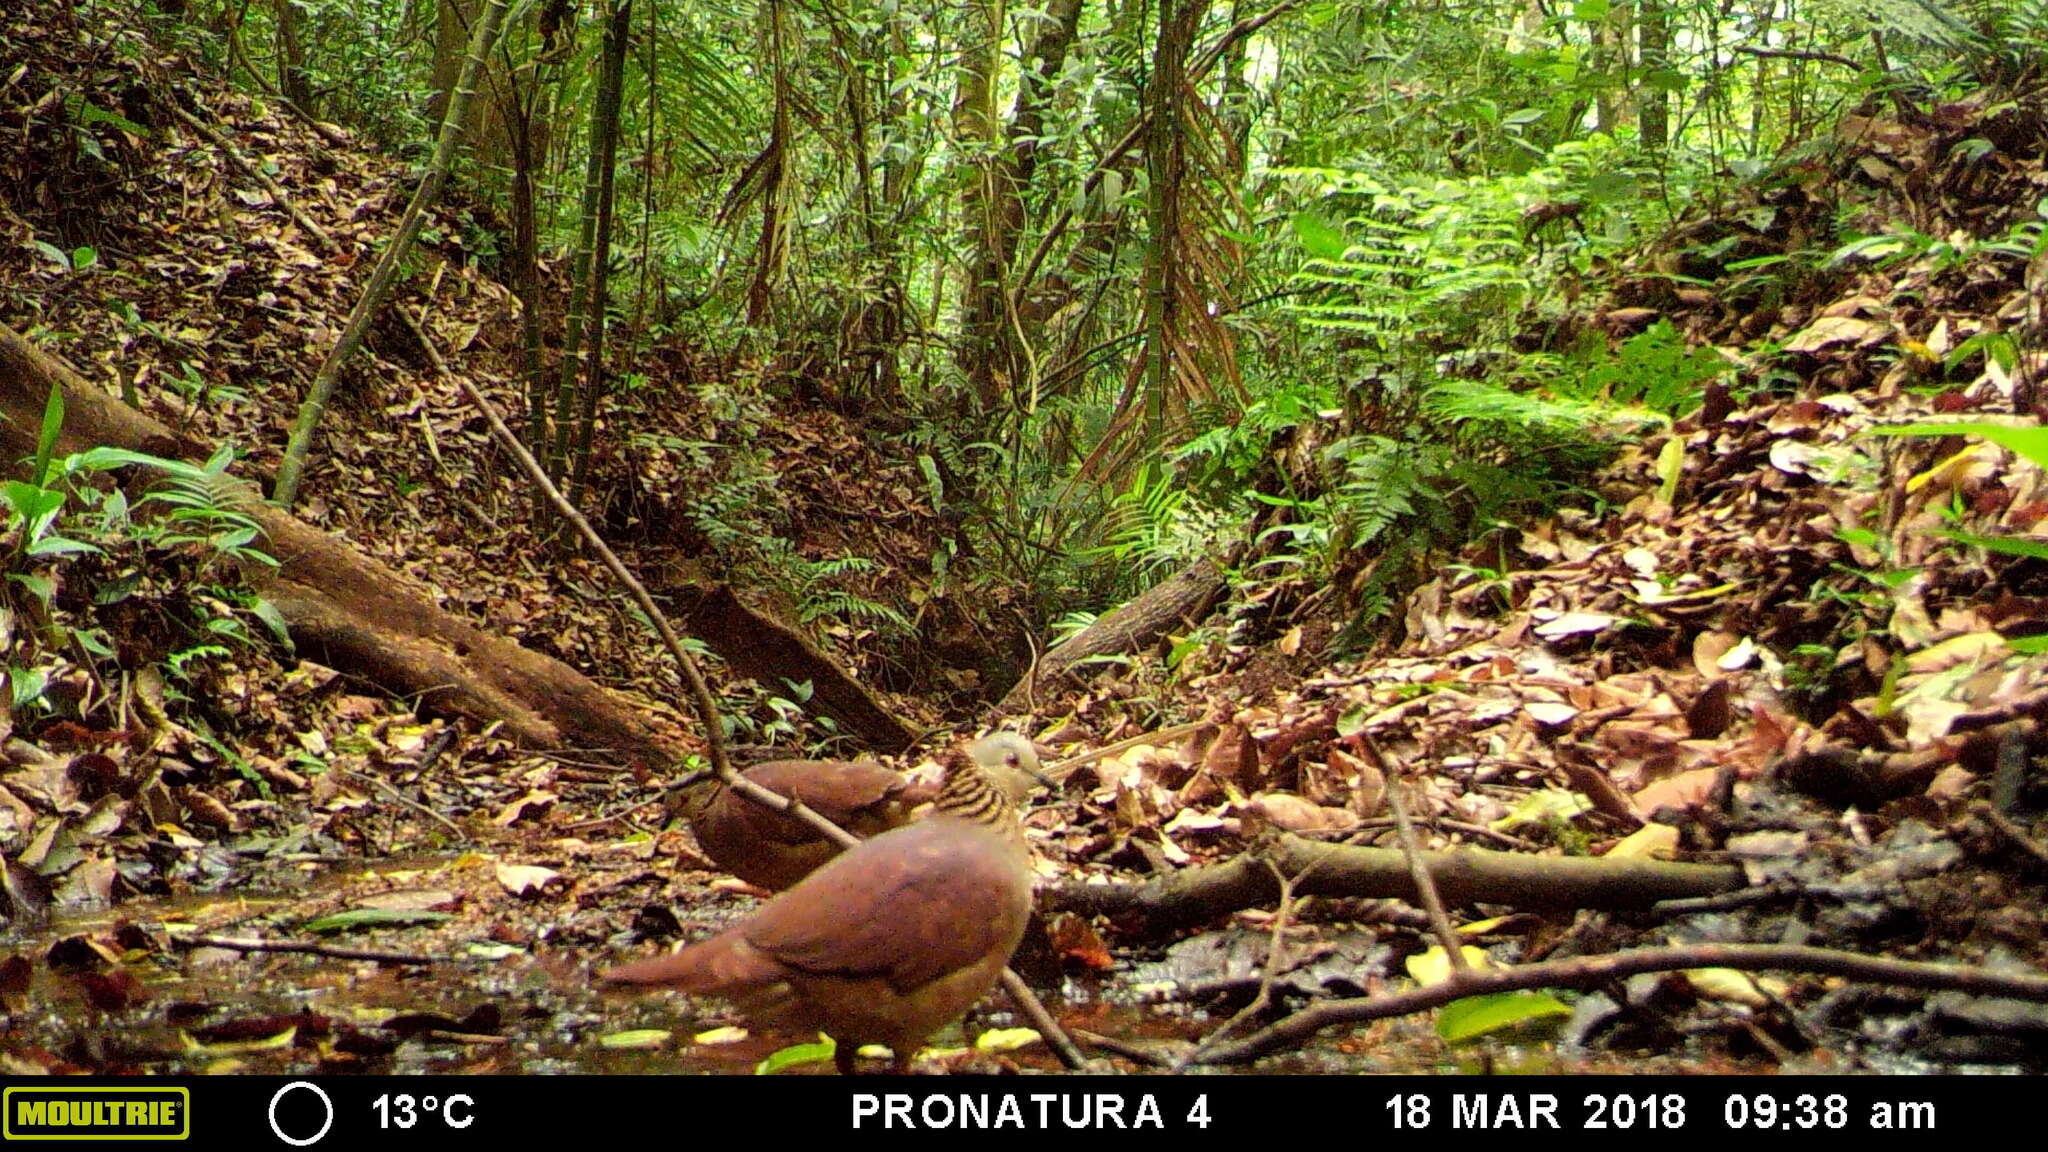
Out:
{"x": 509, "y": 990}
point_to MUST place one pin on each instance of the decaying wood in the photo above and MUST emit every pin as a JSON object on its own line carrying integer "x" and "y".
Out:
{"x": 1471, "y": 875}
{"x": 1176, "y": 602}
{"x": 758, "y": 646}
{"x": 344, "y": 608}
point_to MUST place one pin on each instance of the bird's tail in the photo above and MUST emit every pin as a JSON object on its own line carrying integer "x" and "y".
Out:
{"x": 724, "y": 963}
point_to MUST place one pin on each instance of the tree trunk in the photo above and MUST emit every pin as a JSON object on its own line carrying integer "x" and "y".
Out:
{"x": 974, "y": 142}
{"x": 995, "y": 340}
{"x": 765, "y": 650}
{"x": 519, "y": 127}
{"x": 1166, "y": 165}
{"x": 769, "y": 177}
{"x": 1653, "y": 104}
{"x": 452, "y": 24}
{"x": 291, "y": 60}
{"x": 604, "y": 146}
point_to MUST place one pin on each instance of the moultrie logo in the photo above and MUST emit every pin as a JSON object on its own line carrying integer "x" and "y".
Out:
{"x": 78, "y": 1112}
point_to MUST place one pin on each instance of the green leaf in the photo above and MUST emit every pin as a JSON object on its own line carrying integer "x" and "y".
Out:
{"x": 1474, "y": 1016}
{"x": 1006, "y": 1039}
{"x": 2007, "y": 545}
{"x": 59, "y": 546}
{"x": 104, "y": 459}
{"x": 1972, "y": 150}
{"x": 1318, "y": 238}
{"x": 40, "y": 587}
{"x": 1664, "y": 80}
{"x": 54, "y": 254}
{"x": 1612, "y": 184}
{"x": 813, "y": 1053}
{"x": 117, "y": 589}
{"x": 27, "y": 684}
{"x": 46, "y": 443}
{"x": 1670, "y": 467}
{"x": 1997, "y": 347}
{"x": 1869, "y": 248}
{"x": 94, "y": 640}
{"x": 33, "y": 503}
{"x": 2031, "y": 443}
{"x": 274, "y": 620}
{"x": 1543, "y": 807}
{"x": 87, "y": 114}
{"x": 372, "y": 918}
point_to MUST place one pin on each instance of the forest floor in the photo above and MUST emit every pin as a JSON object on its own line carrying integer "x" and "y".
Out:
{"x": 1778, "y": 645}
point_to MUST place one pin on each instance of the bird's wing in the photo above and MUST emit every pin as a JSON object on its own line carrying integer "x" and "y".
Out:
{"x": 840, "y": 792}
{"x": 909, "y": 906}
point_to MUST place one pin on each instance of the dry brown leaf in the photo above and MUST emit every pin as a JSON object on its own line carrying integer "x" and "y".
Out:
{"x": 526, "y": 880}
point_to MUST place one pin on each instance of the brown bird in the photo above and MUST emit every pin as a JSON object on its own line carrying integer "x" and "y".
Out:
{"x": 885, "y": 943}
{"x": 774, "y": 850}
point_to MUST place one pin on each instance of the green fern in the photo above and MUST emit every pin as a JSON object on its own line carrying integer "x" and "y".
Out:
{"x": 1383, "y": 482}
{"x": 1139, "y": 530}
{"x": 817, "y": 602}
{"x": 1923, "y": 21}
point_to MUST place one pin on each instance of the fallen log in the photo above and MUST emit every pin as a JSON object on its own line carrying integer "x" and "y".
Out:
{"x": 763, "y": 648}
{"x": 1194, "y": 896}
{"x": 347, "y": 609}
{"x": 1178, "y": 601}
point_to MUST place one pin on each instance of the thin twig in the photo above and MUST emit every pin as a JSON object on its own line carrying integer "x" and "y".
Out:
{"x": 245, "y": 944}
{"x": 1438, "y": 823}
{"x": 409, "y": 802}
{"x": 700, "y": 692}
{"x": 1048, "y": 1028}
{"x": 1271, "y": 968}
{"x": 1798, "y": 54}
{"x": 1059, "y": 771}
{"x": 621, "y": 814}
{"x": 2010, "y": 831}
{"x": 1124, "y": 1048}
{"x": 1425, "y": 886}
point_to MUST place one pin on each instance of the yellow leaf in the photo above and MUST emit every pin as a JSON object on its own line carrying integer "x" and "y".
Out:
{"x": 1650, "y": 842}
{"x": 275, "y": 1043}
{"x": 637, "y": 1039}
{"x": 1481, "y": 927}
{"x": 1006, "y": 1039}
{"x": 1726, "y": 984}
{"x": 1434, "y": 966}
{"x": 1670, "y": 466}
{"x": 1948, "y": 471}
